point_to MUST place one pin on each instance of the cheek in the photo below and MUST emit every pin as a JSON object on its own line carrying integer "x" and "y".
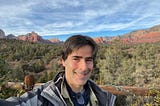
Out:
{"x": 74, "y": 65}
{"x": 71, "y": 64}
{"x": 90, "y": 66}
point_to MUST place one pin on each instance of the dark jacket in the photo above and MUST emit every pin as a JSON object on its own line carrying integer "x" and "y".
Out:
{"x": 49, "y": 94}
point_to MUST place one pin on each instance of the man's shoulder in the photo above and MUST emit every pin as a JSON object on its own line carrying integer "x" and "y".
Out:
{"x": 30, "y": 97}
{"x": 98, "y": 90}
{"x": 93, "y": 85}
{"x": 103, "y": 96}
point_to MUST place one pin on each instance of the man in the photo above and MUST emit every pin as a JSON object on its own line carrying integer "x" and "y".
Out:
{"x": 73, "y": 86}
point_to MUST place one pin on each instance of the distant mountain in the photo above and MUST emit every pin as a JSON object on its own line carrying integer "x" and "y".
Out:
{"x": 11, "y": 36}
{"x": 2, "y": 34}
{"x": 142, "y": 36}
{"x": 139, "y": 36}
{"x": 33, "y": 37}
{"x": 55, "y": 40}
{"x": 149, "y": 35}
{"x": 99, "y": 40}
{"x": 155, "y": 28}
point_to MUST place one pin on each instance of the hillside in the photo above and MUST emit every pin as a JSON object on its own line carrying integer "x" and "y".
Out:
{"x": 31, "y": 37}
{"x": 123, "y": 64}
{"x": 2, "y": 34}
{"x": 19, "y": 58}
{"x": 131, "y": 61}
{"x": 116, "y": 65}
{"x": 149, "y": 35}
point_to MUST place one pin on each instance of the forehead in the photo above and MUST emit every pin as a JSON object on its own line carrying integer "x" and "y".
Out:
{"x": 84, "y": 50}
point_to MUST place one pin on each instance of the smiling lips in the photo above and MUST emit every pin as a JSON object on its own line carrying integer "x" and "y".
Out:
{"x": 82, "y": 74}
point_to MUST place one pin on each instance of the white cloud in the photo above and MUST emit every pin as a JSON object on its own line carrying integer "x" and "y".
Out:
{"x": 55, "y": 17}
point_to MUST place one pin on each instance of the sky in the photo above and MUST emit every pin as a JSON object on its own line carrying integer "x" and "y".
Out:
{"x": 63, "y": 18}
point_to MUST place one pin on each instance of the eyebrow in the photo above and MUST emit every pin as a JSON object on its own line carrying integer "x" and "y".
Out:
{"x": 82, "y": 57}
{"x": 77, "y": 56}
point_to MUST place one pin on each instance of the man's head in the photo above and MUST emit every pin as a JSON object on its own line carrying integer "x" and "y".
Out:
{"x": 78, "y": 56}
{"x": 75, "y": 42}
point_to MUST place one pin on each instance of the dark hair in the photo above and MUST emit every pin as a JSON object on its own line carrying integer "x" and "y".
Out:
{"x": 75, "y": 42}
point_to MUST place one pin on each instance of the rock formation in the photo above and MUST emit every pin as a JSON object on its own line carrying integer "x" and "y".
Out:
{"x": 33, "y": 37}
{"x": 2, "y": 34}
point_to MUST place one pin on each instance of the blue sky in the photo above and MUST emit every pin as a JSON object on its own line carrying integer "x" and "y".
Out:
{"x": 63, "y": 18}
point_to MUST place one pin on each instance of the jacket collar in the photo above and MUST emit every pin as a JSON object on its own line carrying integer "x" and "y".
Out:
{"x": 51, "y": 93}
{"x": 56, "y": 89}
{"x": 65, "y": 94}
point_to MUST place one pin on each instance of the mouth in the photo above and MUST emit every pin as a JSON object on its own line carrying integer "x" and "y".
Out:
{"x": 82, "y": 74}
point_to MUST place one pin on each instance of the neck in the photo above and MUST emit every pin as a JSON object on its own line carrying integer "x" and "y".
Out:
{"x": 74, "y": 88}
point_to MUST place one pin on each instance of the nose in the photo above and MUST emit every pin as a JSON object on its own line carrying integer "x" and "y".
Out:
{"x": 83, "y": 65}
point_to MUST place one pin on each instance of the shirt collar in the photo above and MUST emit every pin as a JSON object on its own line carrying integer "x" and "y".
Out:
{"x": 65, "y": 94}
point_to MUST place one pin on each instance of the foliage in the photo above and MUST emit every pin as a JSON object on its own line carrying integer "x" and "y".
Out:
{"x": 137, "y": 65}
{"x": 19, "y": 58}
{"x": 116, "y": 64}
{"x": 155, "y": 98}
{"x": 7, "y": 92}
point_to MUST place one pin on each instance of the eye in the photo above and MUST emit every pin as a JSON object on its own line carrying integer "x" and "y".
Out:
{"x": 75, "y": 58}
{"x": 89, "y": 60}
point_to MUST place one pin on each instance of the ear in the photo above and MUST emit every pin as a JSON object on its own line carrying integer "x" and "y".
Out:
{"x": 63, "y": 63}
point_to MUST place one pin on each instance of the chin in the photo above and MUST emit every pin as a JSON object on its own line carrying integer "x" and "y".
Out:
{"x": 81, "y": 82}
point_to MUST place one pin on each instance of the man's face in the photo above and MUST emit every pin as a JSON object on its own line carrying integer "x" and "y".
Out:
{"x": 78, "y": 66}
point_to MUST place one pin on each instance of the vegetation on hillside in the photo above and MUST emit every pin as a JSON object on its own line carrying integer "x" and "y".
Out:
{"x": 117, "y": 64}
{"x": 137, "y": 65}
{"x": 19, "y": 58}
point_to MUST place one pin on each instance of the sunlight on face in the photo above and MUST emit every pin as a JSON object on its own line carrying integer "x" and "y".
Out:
{"x": 78, "y": 66}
